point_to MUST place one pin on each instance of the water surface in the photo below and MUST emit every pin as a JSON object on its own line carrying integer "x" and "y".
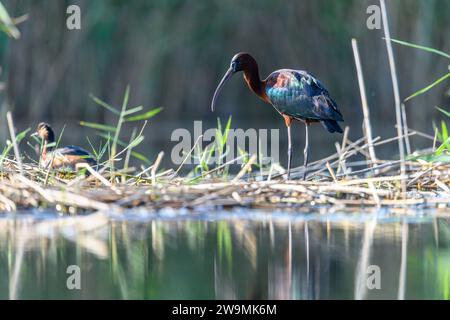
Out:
{"x": 227, "y": 255}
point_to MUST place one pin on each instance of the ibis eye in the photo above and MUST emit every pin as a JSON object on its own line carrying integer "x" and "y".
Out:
{"x": 234, "y": 66}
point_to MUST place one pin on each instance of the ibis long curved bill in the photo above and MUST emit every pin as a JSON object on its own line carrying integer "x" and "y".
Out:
{"x": 225, "y": 78}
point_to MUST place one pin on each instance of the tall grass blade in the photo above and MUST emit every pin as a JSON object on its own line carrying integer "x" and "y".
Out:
{"x": 119, "y": 126}
{"x": 104, "y": 105}
{"x": 7, "y": 23}
{"x": 133, "y": 110}
{"x": 444, "y": 146}
{"x": 98, "y": 126}
{"x": 447, "y": 113}
{"x": 135, "y": 154}
{"x": 428, "y": 49}
{"x": 423, "y": 90}
{"x": 144, "y": 116}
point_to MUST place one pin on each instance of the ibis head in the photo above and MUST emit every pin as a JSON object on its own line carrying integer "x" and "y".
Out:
{"x": 45, "y": 132}
{"x": 240, "y": 62}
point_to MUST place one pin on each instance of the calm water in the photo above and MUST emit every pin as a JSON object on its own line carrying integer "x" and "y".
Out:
{"x": 238, "y": 255}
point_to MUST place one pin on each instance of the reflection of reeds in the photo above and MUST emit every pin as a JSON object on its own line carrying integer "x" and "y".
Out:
{"x": 29, "y": 232}
{"x": 15, "y": 277}
{"x": 307, "y": 253}
{"x": 363, "y": 262}
{"x": 403, "y": 263}
{"x": 138, "y": 265}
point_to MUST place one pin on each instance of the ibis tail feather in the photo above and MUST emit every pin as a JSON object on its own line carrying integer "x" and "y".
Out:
{"x": 332, "y": 126}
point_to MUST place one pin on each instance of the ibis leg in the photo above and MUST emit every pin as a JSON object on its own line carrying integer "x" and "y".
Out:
{"x": 289, "y": 152}
{"x": 305, "y": 152}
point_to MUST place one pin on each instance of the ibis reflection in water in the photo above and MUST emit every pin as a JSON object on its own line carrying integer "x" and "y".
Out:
{"x": 66, "y": 157}
{"x": 295, "y": 94}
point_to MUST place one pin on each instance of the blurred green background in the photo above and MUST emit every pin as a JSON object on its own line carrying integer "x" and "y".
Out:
{"x": 173, "y": 53}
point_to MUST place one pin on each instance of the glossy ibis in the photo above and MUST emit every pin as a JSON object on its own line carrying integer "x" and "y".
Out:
{"x": 295, "y": 94}
{"x": 66, "y": 157}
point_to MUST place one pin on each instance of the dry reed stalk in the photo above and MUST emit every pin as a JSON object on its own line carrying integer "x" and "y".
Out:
{"x": 374, "y": 193}
{"x": 13, "y": 140}
{"x": 442, "y": 185}
{"x": 346, "y": 155}
{"x": 435, "y": 139}
{"x": 237, "y": 197}
{"x": 76, "y": 200}
{"x": 339, "y": 149}
{"x": 406, "y": 130}
{"x": 8, "y": 204}
{"x": 365, "y": 106}
{"x": 356, "y": 191}
{"x": 371, "y": 180}
{"x": 298, "y": 170}
{"x": 352, "y": 190}
{"x": 346, "y": 152}
{"x": 331, "y": 171}
{"x": 187, "y": 156}
{"x": 245, "y": 168}
{"x": 419, "y": 175}
{"x": 380, "y": 166}
{"x": 144, "y": 171}
{"x": 223, "y": 165}
{"x": 98, "y": 176}
{"x": 155, "y": 166}
{"x": 395, "y": 87}
{"x": 36, "y": 187}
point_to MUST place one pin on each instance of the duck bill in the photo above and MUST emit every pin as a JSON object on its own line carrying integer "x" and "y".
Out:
{"x": 225, "y": 78}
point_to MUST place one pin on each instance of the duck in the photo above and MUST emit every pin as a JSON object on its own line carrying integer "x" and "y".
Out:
{"x": 60, "y": 158}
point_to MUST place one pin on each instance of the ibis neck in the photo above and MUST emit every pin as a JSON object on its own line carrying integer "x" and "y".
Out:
{"x": 251, "y": 77}
{"x": 48, "y": 137}
{"x": 43, "y": 153}
{"x": 46, "y": 146}
{"x": 46, "y": 149}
